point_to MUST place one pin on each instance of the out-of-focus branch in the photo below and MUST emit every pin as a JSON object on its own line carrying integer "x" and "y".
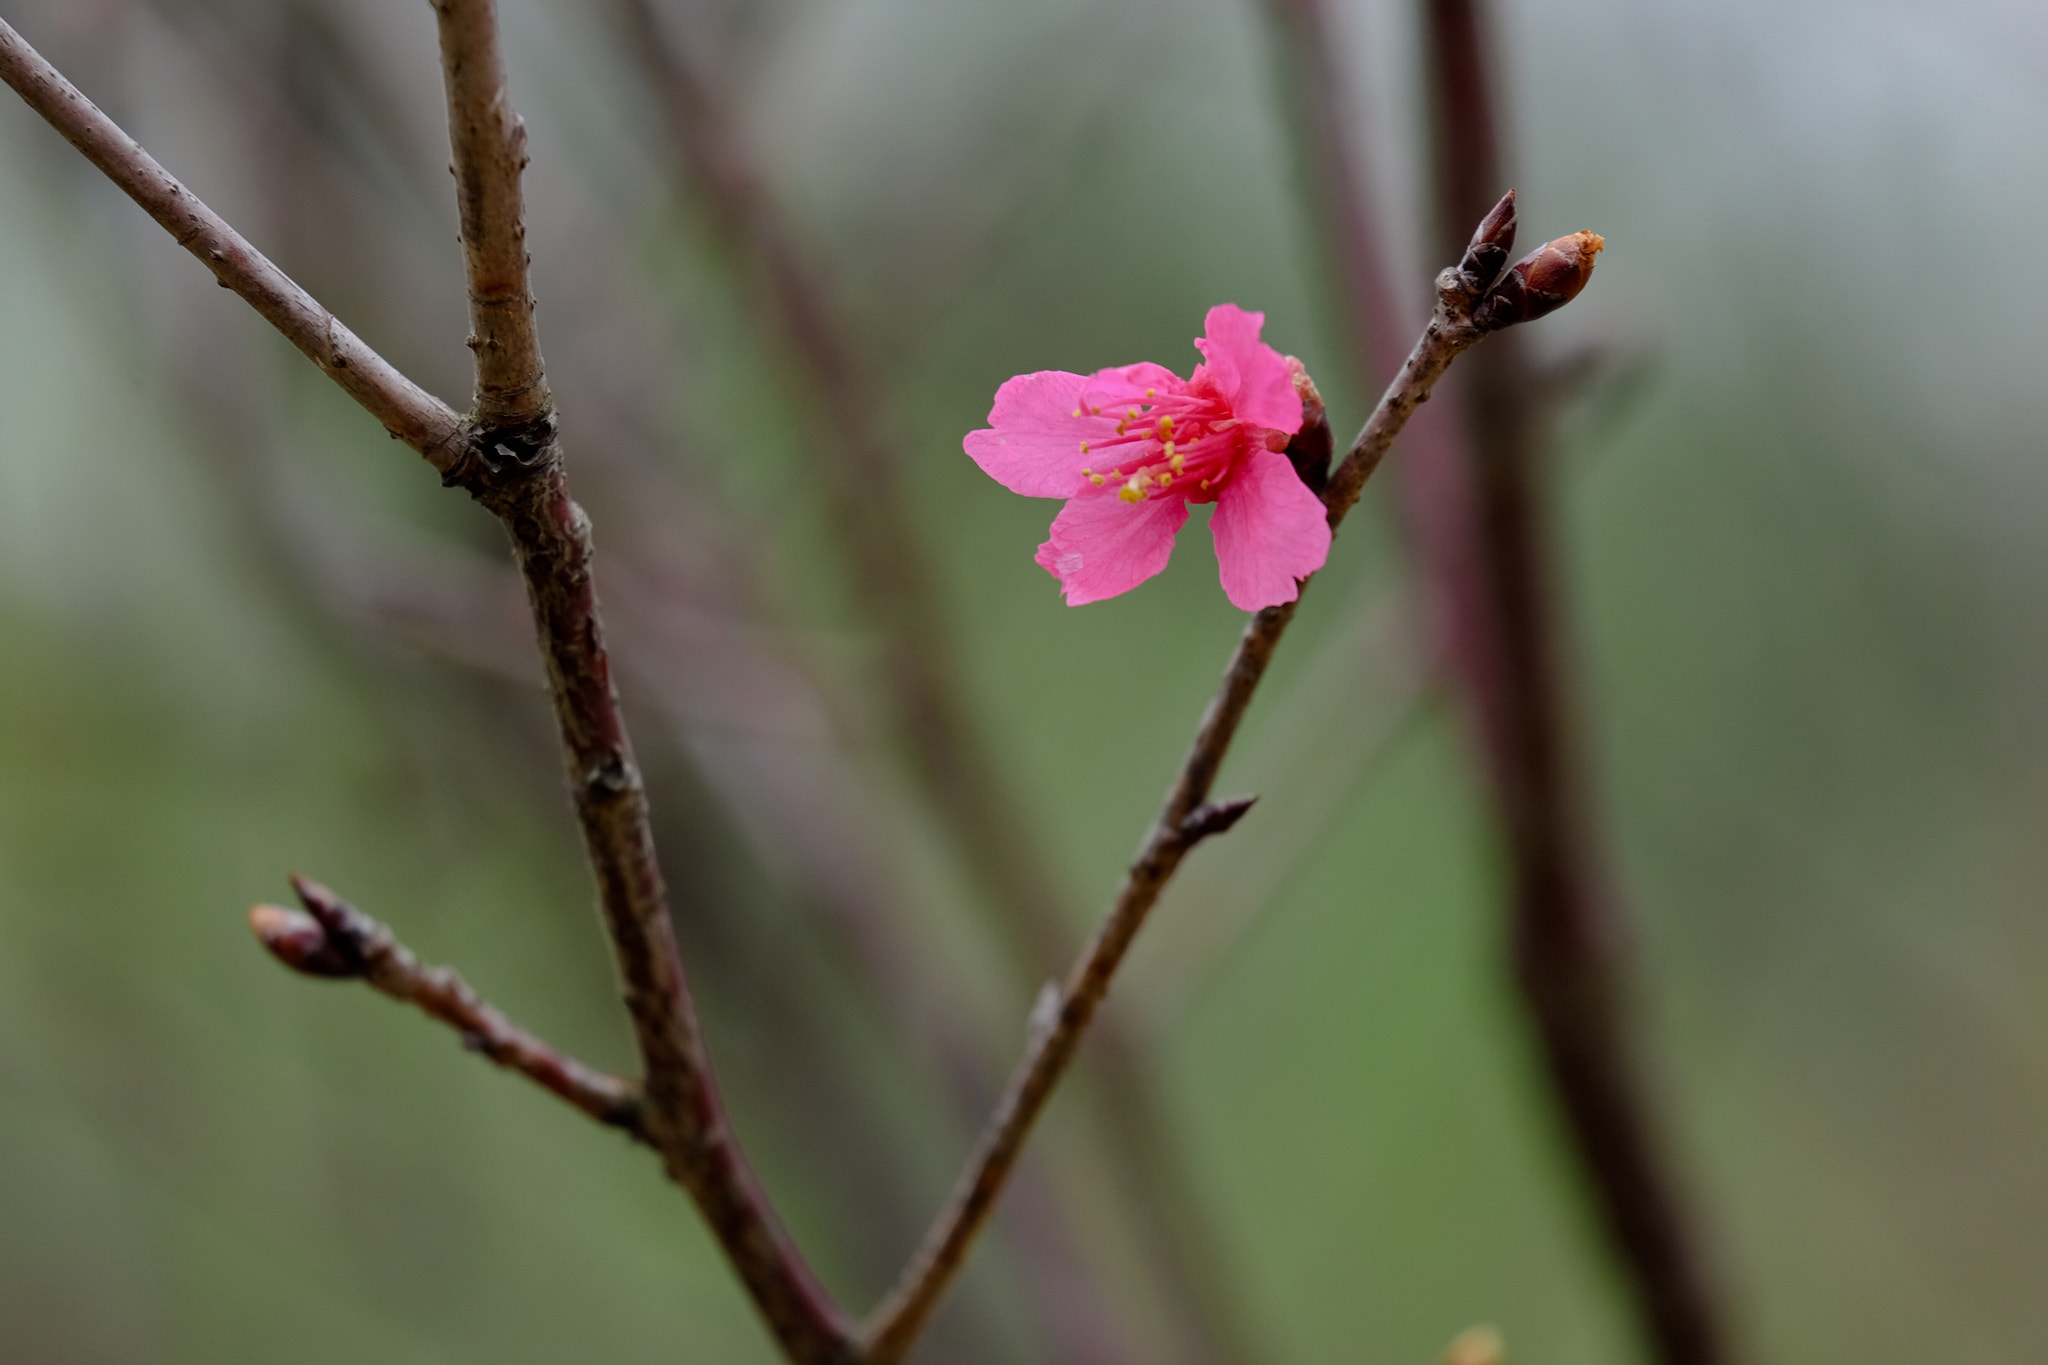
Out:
{"x": 1508, "y": 651}
{"x": 407, "y": 411}
{"x": 891, "y": 572}
{"x": 334, "y": 940}
{"x": 1473, "y": 501}
{"x": 893, "y": 579}
{"x": 1062, "y": 1017}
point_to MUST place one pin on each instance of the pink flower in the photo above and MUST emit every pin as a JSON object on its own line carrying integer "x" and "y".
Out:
{"x": 1129, "y": 448}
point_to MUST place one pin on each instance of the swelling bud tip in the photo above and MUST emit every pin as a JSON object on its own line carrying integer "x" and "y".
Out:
{"x": 1541, "y": 282}
{"x": 1476, "y": 1346}
{"x": 298, "y": 941}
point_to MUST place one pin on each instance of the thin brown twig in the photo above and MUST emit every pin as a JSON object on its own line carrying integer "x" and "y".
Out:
{"x": 987, "y": 823}
{"x": 507, "y": 458}
{"x": 490, "y": 154}
{"x": 334, "y": 940}
{"x": 1186, "y": 818}
{"x": 1496, "y": 558}
{"x": 406, "y": 410}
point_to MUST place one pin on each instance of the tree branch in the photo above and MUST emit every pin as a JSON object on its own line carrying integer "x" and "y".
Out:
{"x": 490, "y": 153}
{"x": 1063, "y": 1016}
{"x": 334, "y": 940}
{"x": 507, "y": 458}
{"x": 518, "y": 474}
{"x": 407, "y": 411}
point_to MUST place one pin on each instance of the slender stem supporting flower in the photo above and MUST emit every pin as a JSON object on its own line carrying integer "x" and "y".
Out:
{"x": 334, "y": 940}
{"x": 506, "y": 457}
{"x": 1186, "y": 818}
{"x": 1492, "y": 557}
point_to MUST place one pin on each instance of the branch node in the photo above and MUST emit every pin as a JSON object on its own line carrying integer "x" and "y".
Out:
{"x": 1213, "y": 817}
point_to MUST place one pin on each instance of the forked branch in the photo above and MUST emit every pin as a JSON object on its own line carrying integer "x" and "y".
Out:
{"x": 506, "y": 456}
{"x": 334, "y": 940}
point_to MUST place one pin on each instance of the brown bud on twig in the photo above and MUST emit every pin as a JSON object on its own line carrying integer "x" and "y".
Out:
{"x": 300, "y": 942}
{"x": 1214, "y": 817}
{"x": 1542, "y": 282}
{"x": 1490, "y": 246}
{"x": 1310, "y": 447}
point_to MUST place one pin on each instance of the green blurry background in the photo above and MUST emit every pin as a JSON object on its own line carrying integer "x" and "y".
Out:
{"x": 242, "y": 633}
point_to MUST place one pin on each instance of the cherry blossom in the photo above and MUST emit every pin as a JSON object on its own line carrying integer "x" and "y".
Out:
{"x": 1131, "y": 447}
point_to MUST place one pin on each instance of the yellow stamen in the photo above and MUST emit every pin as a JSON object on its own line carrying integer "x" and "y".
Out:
{"x": 1166, "y": 480}
{"x": 1150, "y": 392}
{"x": 1165, "y": 427}
{"x": 1077, "y": 412}
{"x": 1084, "y": 447}
{"x": 1096, "y": 479}
{"x": 1130, "y": 493}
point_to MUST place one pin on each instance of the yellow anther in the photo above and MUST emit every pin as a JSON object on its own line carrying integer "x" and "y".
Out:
{"x": 1097, "y": 480}
{"x": 1150, "y": 392}
{"x": 1166, "y": 480}
{"x": 1084, "y": 447}
{"x": 1205, "y": 483}
{"x": 1169, "y": 448}
{"x": 1130, "y": 492}
{"x": 1086, "y": 471}
{"x": 1077, "y": 412}
{"x": 1178, "y": 461}
{"x": 1132, "y": 415}
{"x": 1165, "y": 427}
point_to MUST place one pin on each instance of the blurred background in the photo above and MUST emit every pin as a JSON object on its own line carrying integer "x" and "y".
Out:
{"x": 1799, "y": 509}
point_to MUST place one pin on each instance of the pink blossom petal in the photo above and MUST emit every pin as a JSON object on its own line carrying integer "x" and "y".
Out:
{"x": 1033, "y": 441}
{"x": 1252, "y": 375}
{"x": 1129, "y": 383}
{"x": 1270, "y": 531}
{"x": 1101, "y": 545}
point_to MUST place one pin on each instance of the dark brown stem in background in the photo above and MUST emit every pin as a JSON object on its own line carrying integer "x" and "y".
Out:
{"x": 1185, "y": 819}
{"x": 962, "y": 781}
{"x": 335, "y": 940}
{"x": 1494, "y": 563}
{"x": 508, "y": 460}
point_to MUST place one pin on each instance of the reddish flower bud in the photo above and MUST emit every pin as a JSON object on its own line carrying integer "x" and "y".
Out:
{"x": 298, "y": 941}
{"x": 1490, "y": 246}
{"x": 1311, "y": 447}
{"x": 1542, "y": 282}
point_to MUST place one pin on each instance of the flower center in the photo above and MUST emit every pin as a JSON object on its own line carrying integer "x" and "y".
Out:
{"x": 1166, "y": 445}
